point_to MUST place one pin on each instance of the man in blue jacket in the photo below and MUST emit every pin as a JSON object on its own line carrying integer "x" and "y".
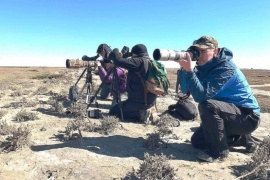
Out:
{"x": 227, "y": 105}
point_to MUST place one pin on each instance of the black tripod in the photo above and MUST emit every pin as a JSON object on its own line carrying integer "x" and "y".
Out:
{"x": 115, "y": 89}
{"x": 88, "y": 83}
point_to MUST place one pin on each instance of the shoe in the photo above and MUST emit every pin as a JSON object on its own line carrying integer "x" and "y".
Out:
{"x": 145, "y": 116}
{"x": 246, "y": 141}
{"x": 203, "y": 156}
{"x": 251, "y": 148}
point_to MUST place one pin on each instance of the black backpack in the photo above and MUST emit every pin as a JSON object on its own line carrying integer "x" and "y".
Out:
{"x": 183, "y": 108}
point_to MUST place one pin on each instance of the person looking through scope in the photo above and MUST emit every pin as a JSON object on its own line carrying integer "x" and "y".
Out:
{"x": 103, "y": 50}
{"x": 228, "y": 109}
{"x": 136, "y": 106}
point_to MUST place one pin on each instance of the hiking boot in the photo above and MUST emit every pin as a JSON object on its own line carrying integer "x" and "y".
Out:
{"x": 145, "y": 116}
{"x": 251, "y": 148}
{"x": 154, "y": 118}
{"x": 204, "y": 156}
{"x": 246, "y": 141}
{"x": 149, "y": 116}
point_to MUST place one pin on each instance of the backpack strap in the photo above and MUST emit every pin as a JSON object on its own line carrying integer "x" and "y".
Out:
{"x": 143, "y": 81}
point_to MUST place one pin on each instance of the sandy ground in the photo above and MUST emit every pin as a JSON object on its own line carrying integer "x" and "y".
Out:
{"x": 99, "y": 156}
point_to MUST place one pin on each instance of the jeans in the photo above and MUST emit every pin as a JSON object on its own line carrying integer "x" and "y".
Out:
{"x": 219, "y": 121}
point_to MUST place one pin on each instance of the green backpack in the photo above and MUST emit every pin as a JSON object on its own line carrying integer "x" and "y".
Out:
{"x": 156, "y": 81}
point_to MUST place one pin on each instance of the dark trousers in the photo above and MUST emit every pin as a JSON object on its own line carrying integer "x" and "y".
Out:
{"x": 221, "y": 120}
{"x": 105, "y": 91}
{"x": 131, "y": 110}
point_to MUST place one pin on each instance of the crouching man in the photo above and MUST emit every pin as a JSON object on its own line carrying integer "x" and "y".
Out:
{"x": 138, "y": 106}
{"x": 227, "y": 105}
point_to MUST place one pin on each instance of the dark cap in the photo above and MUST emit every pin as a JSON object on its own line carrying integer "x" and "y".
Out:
{"x": 139, "y": 50}
{"x": 206, "y": 42}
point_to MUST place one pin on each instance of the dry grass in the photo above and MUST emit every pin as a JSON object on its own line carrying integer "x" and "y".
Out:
{"x": 264, "y": 102}
{"x": 257, "y": 76}
{"x": 264, "y": 88}
{"x": 24, "y": 72}
{"x": 24, "y": 115}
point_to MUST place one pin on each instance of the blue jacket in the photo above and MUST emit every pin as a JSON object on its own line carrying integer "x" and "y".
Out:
{"x": 219, "y": 79}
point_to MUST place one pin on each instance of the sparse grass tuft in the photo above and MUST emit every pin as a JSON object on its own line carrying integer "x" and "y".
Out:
{"x": 24, "y": 115}
{"x": 109, "y": 124}
{"x": 260, "y": 162}
{"x": 16, "y": 93}
{"x": 79, "y": 124}
{"x": 154, "y": 141}
{"x": 41, "y": 90}
{"x": 5, "y": 128}
{"x": 17, "y": 139}
{"x": 2, "y": 113}
{"x": 152, "y": 168}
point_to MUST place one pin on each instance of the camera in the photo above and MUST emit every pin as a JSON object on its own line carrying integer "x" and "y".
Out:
{"x": 76, "y": 63}
{"x": 93, "y": 58}
{"x": 173, "y": 55}
{"x": 125, "y": 52}
{"x": 85, "y": 62}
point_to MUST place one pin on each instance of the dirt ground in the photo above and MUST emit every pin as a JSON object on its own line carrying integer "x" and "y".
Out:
{"x": 95, "y": 156}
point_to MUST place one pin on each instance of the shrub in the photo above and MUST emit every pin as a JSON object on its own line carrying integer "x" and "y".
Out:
{"x": 24, "y": 115}
{"x": 260, "y": 162}
{"x": 153, "y": 168}
{"x": 18, "y": 138}
{"x": 154, "y": 141}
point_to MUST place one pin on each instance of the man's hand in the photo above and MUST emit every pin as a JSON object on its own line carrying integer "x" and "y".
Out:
{"x": 186, "y": 63}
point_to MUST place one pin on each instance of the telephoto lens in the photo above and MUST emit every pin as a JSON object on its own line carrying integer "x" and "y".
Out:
{"x": 76, "y": 63}
{"x": 168, "y": 55}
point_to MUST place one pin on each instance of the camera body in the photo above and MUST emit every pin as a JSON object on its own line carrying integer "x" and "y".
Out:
{"x": 125, "y": 52}
{"x": 173, "y": 55}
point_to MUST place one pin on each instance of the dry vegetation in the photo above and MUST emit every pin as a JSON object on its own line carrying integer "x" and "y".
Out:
{"x": 36, "y": 113}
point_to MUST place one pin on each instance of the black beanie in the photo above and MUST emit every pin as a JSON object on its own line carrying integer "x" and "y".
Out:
{"x": 104, "y": 47}
{"x": 139, "y": 50}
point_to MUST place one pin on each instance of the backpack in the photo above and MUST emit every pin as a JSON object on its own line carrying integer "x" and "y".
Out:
{"x": 184, "y": 108}
{"x": 123, "y": 79}
{"x": 156, "y": 81}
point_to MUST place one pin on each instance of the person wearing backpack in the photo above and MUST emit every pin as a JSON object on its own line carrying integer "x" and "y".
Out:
{"x": 135, "y": 104}
{"x": 103, "y": 50}
{"x": 227, "y": 106}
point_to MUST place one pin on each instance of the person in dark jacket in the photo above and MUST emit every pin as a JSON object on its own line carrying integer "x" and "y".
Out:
{"x": 136, "y": 102}
{"x": 104, "y": 68}
{"x": 227, "y": 105}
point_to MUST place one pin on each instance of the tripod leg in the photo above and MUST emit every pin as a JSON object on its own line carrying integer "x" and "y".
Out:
{"x": 118, "y": 95}
{"x": 80, "y": 93}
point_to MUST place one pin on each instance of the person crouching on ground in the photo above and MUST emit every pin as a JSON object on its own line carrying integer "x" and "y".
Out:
{"x": 107, "y": 87}
{"x": 136, "y": 103}
{"x": 227, "y": 106}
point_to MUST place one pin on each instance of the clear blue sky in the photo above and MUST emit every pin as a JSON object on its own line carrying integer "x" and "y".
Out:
{"x": 47, "y": 32}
